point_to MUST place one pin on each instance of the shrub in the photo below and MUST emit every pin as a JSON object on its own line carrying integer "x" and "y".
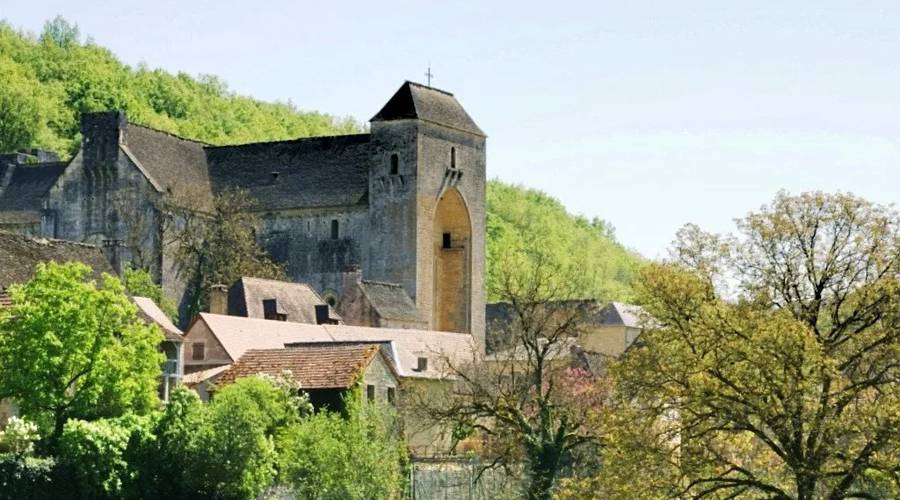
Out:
{"x": 95, "y": 454}
{"x": 19, "y": 437}
{"x": 328, "y": 456}
{"x": 23, "y": 478}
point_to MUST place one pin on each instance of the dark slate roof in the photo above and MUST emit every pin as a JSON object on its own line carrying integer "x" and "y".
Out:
{"x": 620, "y": 314}
{"x": 313, "y": 367}
{"x": 19, "y": 255}
{"x": 296, "y": 300}
{"x": 175, "y": 166}
{"x": 390, "y": 300}
{"x": 414, "y": 100}
{"x": 22, "y": 199}
{"x": 303, "y": 173}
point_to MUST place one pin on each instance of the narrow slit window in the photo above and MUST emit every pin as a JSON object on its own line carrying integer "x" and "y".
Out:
{"x": 370, "y": 392}
{"x": 395, "y": 165}
{"x": 447, "y": 241}
{"x": 334, "y": 229}
{"x": 391, "y": 396}
{"x": 452, "y": 157}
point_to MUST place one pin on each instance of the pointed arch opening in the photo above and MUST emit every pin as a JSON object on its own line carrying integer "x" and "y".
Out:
{"x": 452, "y": 268}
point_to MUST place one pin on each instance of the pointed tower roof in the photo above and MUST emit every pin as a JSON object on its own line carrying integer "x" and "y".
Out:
{"x": 417, "y": 101}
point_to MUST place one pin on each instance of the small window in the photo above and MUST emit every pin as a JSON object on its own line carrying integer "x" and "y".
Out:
{"x": 334, "y": 229}
{"x": 198, "y": 351}
{"x": 391, "y": 395}
{"x": 447, "y": 242}
{"x": 395, "y": 165}
{"x": 331, "y": 301}
{"x": 452, "y": 157}
{"x": 370, "y": 392}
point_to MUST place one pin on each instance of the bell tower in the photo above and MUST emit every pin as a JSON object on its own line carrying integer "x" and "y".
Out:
{"x": 427, "y": 206}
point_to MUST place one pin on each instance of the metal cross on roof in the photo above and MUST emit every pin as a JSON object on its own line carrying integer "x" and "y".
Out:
{"x": 429, "y": 74}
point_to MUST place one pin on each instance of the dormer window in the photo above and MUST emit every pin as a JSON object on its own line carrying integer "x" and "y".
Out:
{"x": 452, "y": 157}
{"x": 395, "y": 164}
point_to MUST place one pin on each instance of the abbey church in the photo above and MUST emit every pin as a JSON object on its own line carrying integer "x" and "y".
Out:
{"x": 401, "y": 207}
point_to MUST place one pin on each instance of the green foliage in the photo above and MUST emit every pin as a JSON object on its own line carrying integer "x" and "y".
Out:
{"x": 30, "y": 478}
{"x": 329, "y": 456}
{"x": 139, "y": 283}
{"x": 47, "y": 82}
{"x": 94, "y": 453}
{"x": 526, "y": 224}
{"x": 220, "y": 247}
{"x": 771, "y": 367}
{"x": 221, "y": 450}
{"x": 18, "y": 437}
{"x": 72, "y": 349}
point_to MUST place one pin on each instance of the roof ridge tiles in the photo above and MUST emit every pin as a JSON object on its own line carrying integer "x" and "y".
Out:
{"x": 285, "y": 141}
{"x": 166, "y": 132}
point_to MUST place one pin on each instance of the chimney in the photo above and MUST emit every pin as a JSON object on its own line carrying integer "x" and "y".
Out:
{"x": 218, "y": 299}
{"x": 350, "y": 277}
{"x": 101, "y": 134}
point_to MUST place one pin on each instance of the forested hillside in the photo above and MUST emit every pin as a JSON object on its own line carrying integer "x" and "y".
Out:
{"x": 46, "y": 81}
{"x": 530, "y": 222}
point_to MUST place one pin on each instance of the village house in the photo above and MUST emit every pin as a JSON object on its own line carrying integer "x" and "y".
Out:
{"x": 327, "y": 373}
{"x": 213, "y": 343}
{"x": 603, "y": 332}
{"x": 271, "y": 299}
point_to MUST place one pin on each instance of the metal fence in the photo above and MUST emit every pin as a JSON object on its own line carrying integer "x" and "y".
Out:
{"x": 460, "y": 479}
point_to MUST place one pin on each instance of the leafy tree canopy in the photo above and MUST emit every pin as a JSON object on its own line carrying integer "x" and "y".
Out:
{"x": 70, "y": 348}
{"x": 524, "y": 225}
{"x": 48, "y": 81}
{"x": 771, "y": 367}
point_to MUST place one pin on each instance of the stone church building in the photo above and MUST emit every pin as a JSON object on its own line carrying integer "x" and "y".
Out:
{"x": 403, "y": 204}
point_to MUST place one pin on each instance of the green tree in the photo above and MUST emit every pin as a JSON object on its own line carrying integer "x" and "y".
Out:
{"x": 527, "y": 222}
{"x": 19, "y": 107}
{"x": 72, "y": 349}
{"x": 525, "y": 402}
{"x": 96, "y": 454}
{"x": 770, "y": 369}
{"x": 61, "y": 32}
{"x": 219, "y": 247}
{"x": 358, "y": 456}
{"x": 225, "y": 449}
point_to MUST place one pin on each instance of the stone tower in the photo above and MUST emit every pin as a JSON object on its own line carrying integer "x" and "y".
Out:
{"x": 427, "y": 206}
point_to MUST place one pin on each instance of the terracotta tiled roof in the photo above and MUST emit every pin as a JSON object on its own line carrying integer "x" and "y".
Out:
{"x": 313, "y": 367}
{"x": 239, "y": 335}
{"x": 192, "y": 379}
{"x": 151, "y": 313}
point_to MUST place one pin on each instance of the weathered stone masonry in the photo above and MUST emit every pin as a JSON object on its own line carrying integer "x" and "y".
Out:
{"x": 404, "y": 203}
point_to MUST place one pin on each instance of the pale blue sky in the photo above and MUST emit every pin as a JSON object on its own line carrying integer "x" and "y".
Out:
{"x": 647, "y": 114}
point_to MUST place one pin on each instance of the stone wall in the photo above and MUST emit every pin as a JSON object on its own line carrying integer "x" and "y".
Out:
{"x": 302, "y": 239}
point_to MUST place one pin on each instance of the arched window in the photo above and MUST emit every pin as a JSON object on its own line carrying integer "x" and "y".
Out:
{"x": 452, "y": 157}
{"x": 395, "y": 165}
{"x": 334, "y": 229}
